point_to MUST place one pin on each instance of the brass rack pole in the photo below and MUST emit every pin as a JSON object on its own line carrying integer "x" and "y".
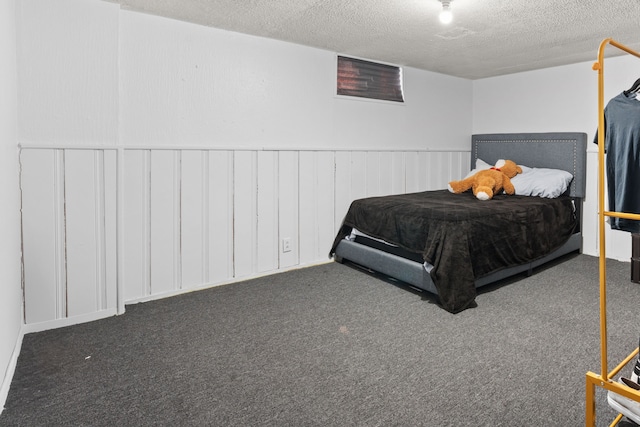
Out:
{"x": 599, "y": 67}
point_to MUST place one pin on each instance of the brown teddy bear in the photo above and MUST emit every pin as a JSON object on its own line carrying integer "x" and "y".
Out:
{"x": 486, "y": 183}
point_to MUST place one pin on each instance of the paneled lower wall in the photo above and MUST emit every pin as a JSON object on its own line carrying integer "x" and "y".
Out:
{"x": 103, "y": 227}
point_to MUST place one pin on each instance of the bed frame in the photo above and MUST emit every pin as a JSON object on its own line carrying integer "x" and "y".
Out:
{"x": 565, "y": 150}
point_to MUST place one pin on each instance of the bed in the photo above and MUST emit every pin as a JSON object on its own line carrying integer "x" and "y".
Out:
{"x": 451, "y": 244}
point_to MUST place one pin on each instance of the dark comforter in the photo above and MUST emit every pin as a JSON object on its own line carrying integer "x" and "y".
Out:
{"x": 462, "y": 237}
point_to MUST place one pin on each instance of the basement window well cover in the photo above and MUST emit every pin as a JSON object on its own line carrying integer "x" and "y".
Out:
{"x": 372, "y": 80}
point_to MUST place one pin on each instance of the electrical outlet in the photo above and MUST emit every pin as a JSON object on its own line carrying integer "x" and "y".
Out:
{"x": 286, "y": 244}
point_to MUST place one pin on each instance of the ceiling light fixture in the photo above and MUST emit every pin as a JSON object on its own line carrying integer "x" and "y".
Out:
{"x": 446, "y": 16}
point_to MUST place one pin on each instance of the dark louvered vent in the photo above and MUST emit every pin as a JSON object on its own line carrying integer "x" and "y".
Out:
{"x": 369, "y": 80}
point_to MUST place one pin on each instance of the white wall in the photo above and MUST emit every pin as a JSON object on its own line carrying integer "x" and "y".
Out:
{"x": 554, "y": 100}
{"x": 10, "y": 284}
{"x": 68, "y": 72}
{"x": 68, "y": 96}
{"x": 160, "y": 157}
{"x": 186, "y": 84}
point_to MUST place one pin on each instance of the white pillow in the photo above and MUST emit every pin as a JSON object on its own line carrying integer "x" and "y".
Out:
{"x": 480, "y": 165}
{"x": 542, "y": 182}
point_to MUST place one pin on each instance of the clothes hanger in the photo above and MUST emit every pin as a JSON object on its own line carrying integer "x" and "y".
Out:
{"x": 634, "y": 88}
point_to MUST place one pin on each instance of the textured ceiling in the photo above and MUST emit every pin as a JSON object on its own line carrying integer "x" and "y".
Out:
{"x": 486, "y": 38}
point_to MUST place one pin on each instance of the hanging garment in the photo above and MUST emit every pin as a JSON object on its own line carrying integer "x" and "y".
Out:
{"x": 622, "y": 145}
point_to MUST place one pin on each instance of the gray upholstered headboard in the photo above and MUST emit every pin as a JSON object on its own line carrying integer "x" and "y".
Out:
{"x": 561, "y": 150}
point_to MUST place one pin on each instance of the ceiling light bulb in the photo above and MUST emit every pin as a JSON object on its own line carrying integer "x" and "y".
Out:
{"x": 446, "y": 16}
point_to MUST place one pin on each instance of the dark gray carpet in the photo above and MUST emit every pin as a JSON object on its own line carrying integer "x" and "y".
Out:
{"x": 333, "y": 346}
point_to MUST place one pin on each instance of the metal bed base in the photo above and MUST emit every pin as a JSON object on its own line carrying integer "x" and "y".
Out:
{"x": 415, "y": 274}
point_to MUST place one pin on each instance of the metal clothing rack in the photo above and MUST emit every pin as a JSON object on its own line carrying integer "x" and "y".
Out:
{"x": 604, "y": 379}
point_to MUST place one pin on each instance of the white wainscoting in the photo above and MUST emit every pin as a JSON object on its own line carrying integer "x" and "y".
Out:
{"x": 103, "y": 227}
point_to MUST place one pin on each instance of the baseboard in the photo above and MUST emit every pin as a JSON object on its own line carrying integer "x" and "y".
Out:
{"x": 205, "y": 286}
{"x": 68, "y": 321}
{"x": 11, "y": 369}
